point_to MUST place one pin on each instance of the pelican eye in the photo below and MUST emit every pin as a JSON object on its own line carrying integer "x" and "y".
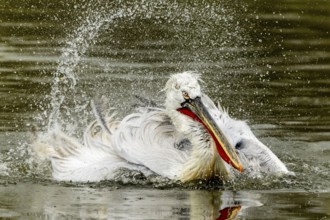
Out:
{"x": 185, "y": 95}
{"x": 239, "y": 145}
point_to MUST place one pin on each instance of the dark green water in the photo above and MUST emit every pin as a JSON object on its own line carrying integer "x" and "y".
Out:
{"x": 268, "y": 62}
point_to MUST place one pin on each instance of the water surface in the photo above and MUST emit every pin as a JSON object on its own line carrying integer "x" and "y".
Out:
{"x": 267, "y": 62}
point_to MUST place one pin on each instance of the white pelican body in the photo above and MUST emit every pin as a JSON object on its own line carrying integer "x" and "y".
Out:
{"x": 190, "y": 139}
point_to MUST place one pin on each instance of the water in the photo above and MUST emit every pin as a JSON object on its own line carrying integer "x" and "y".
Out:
{"x": 267, "y": 62}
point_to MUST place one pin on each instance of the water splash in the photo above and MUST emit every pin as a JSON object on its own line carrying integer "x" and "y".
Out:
{"x": 188, "y": 21}
{"x": 65, "y": 77}
{"x": 97, "y": 18}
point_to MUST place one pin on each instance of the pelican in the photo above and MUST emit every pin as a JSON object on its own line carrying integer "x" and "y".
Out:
{"x": 189, "y": 139}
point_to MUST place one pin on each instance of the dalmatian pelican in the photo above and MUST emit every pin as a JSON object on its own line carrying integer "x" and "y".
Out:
{"x": 189, "y": 139}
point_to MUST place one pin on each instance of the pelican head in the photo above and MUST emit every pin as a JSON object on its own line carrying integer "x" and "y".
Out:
{"x": 191, "y": 111}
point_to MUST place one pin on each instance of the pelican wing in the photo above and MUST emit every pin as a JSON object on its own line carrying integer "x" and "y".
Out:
{"x": 73, "y": 161}
{"x": 145, "y": 141}
{"x": 149, "y": 138}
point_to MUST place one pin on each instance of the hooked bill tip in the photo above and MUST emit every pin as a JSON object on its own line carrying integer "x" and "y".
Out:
{"x": 240, "y": 168}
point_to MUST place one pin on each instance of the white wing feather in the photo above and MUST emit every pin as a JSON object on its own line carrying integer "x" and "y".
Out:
{"x": 94, "y": 161}
{"x": 148, "y": 138}
{"x": 143, "y": 141}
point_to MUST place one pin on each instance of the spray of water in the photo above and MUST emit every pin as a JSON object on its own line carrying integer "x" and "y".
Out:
{"x": 187, "y": 23}
{"x": 65, "y": 77}
{"x": 187, "y": 20}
